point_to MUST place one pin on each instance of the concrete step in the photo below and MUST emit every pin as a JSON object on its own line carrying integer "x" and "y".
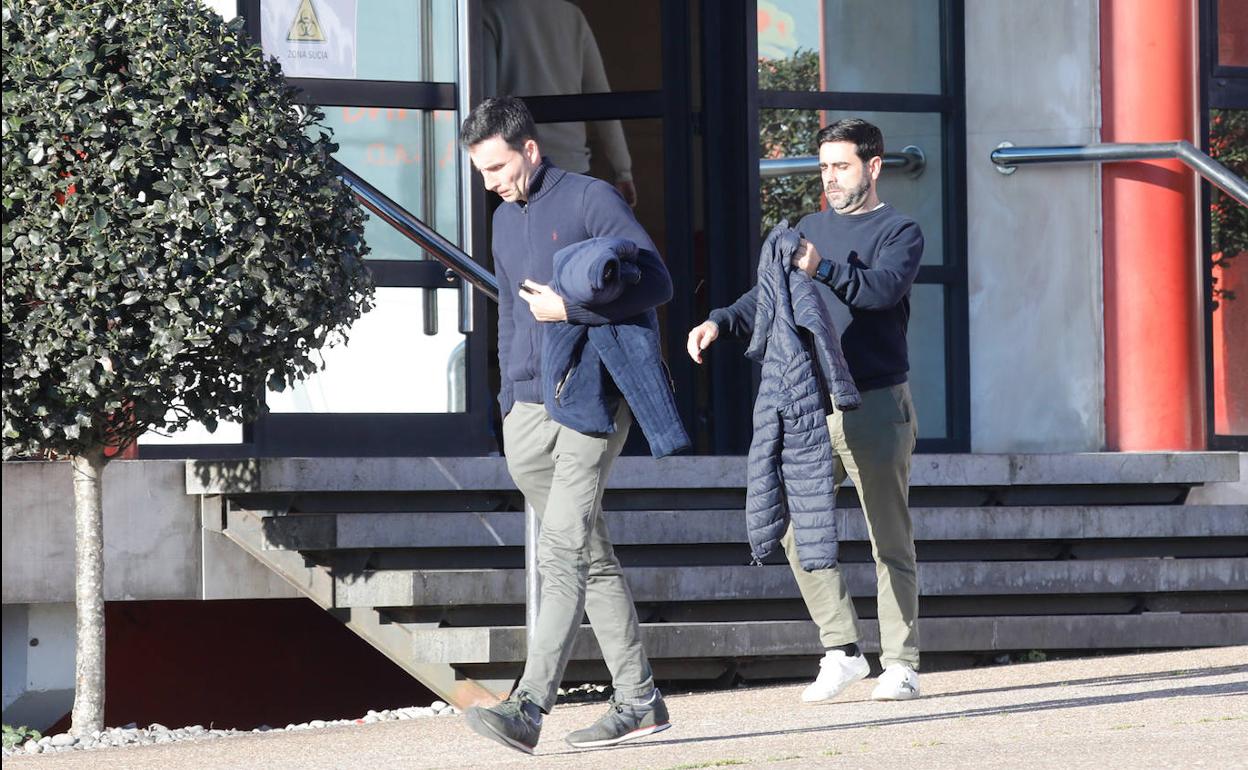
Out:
{"x": 446, "y": 588}
{"x": 460, "y": 529}
{"x": 431, "y": 474}
{"x": 459, "y": 646}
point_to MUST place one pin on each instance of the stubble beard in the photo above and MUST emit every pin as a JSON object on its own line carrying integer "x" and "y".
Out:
{"x": 853, "y": 198}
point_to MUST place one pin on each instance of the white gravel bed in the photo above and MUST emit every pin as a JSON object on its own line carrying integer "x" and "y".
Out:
{"x": 133, "y": 735}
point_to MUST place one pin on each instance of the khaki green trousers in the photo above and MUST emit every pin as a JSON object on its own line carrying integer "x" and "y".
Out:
{"x": 873, "y": 445}
{"x": 562, "y": 474}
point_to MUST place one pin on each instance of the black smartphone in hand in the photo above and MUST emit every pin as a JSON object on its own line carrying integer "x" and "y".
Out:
{"x": 524, "y": 287}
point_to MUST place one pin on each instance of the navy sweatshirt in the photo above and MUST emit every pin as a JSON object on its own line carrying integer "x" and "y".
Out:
{"x": 870, "y": 262}
{"x": 562, "y": 208}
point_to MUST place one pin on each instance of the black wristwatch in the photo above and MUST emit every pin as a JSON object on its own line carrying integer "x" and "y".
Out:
{"x": 824, "y": 271}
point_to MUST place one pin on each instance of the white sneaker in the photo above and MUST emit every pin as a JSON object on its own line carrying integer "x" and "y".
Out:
{"x": 836, "y": 672}
{"x": 898, "y": 682}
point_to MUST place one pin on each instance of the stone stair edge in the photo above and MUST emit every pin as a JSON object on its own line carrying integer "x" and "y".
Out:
{"x": 411, "y": 474}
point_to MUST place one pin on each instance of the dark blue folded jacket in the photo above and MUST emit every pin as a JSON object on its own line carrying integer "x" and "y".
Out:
{"x": 586, "y": 368}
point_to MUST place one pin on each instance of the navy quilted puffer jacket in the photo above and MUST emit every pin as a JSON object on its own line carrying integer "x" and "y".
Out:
{"x": 790, "y": 461}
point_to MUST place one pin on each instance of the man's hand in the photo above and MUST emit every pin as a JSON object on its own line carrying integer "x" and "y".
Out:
{"x": 628, "y": 190}
{"x": 807, "y": 258}
{"x": 701, "y": 338}
{"x": 544, "y": 304}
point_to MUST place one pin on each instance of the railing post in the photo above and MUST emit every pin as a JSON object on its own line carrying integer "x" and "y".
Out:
{"x": 532, "y": 578}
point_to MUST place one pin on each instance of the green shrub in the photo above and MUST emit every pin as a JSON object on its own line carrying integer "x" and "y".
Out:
{"x": 16, "y": 736}
{"x": 174, "y": 239}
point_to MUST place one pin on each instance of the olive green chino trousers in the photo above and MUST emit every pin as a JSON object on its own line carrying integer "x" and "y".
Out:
{"x": 872, "y": 446}
{"x": 562, "y": 474}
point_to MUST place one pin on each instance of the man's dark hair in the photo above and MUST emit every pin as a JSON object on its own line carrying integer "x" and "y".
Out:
{"x": 866, "y": 138}
{"x": 504, "y": 116}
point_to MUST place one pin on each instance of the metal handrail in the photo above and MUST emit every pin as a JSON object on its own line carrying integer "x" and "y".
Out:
{"x": 911, "y": 160}
{"x": 424, "y": 236}
{"x": 1007, "y": 158}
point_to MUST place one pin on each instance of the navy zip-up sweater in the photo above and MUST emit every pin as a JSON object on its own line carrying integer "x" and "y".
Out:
{"x": 870, "y": 262}
{"x": 562, "y": 208}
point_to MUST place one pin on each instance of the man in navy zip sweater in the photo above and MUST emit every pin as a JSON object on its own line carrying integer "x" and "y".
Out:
{"x": 561, "y": 472}
{"x": 867, "y": 253}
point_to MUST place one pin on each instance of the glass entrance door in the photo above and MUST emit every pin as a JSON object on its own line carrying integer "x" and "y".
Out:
{"x": 410, "y": 377}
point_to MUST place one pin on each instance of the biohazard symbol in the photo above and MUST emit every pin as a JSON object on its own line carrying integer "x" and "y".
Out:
{"x": 306, "y": 28}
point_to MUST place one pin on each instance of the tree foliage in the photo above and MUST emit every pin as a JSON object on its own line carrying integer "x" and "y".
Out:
{"x": 789, "y": 133}
{"x": 174, "y": 238}
{"x": 1228, "y": 143}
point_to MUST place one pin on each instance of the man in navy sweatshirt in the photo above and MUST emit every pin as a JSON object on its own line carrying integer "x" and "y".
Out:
{"x": 867, "y": 253}
{"x": 561, "y": 472}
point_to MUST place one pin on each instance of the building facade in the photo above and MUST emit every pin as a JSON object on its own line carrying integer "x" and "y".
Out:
{"x": 1059, "y": 309}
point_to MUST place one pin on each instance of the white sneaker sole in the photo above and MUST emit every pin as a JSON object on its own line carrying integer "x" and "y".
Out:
{"x": 638, "y": 733}
{"x": 891, "y": 696}
{"x": 825, "y": 698}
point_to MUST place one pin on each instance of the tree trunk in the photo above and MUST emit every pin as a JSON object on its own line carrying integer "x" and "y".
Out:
{"x": 88, "y": 714}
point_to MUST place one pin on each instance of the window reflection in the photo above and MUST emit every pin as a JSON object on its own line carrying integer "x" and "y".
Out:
{"x": 791, "y": 133}
{"x": 885, "y": 46}
{"x": 411, "y": 156}
{"x": 1228, "y": 236}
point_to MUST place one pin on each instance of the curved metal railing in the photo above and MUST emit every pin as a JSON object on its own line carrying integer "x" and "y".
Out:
{"x": 424, "y": 236}
{"x": 911, "y": 160}
{"x": 1008, "y": 158}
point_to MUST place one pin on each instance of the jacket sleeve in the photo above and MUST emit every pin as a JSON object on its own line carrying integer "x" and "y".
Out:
{"x": 506, "y": 301}
{"x": 738, "y": 318}
{"x": 884, "y": 283}
{"x": 606, "y": 215}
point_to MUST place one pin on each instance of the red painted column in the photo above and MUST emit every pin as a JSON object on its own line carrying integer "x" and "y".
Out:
{"x": 1153, "y": 395}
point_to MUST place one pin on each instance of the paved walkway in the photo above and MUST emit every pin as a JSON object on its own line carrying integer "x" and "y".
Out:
{"x": 1174, "y": 709}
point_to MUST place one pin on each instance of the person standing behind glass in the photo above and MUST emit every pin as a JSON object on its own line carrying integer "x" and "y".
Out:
{"x": 546, "y": 48}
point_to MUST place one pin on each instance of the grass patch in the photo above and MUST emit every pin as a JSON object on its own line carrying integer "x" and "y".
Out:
{"x": 711, "y": 763}
{"x": 1125, "y": 727}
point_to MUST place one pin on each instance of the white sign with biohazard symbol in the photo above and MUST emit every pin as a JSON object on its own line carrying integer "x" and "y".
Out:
{"x": 311, "y": 38}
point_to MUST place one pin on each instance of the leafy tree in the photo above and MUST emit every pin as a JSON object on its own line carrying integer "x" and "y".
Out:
{"x": 789, "y": 133}
{"x": 1228, "y": 143}
{"x": 174, "y": 241}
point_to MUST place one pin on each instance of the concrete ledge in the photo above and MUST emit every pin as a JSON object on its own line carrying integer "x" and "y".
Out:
{"x": 417, "y": 474}
{"x": 706, "y": 583}
{"x": 792, "y": 638}
{"x": 485, "y": 529}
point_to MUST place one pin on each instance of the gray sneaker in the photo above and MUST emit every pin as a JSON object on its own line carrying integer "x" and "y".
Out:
{"x": 515, "y": 723}
{"x": 623, "y": 722}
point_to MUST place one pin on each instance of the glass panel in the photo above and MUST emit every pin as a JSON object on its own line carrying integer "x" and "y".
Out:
{"x": 926, "y": 339}
{"x": 791, "y": 133}
{"x": 1233, "y": 33}
{"x": 373, "y": 40}
{"x": 554, "y": 47}
{"x": 196, "y": 433}
{"x": 627, "y": 153}
{"x": 1228, "y": 142}
{"x": 886, "y": 46}
{"x": 410, "y": 155}
{"x": 388, "y": 365}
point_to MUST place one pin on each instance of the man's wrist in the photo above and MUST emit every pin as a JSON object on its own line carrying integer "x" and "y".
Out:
{"x": 823, "y": 271}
